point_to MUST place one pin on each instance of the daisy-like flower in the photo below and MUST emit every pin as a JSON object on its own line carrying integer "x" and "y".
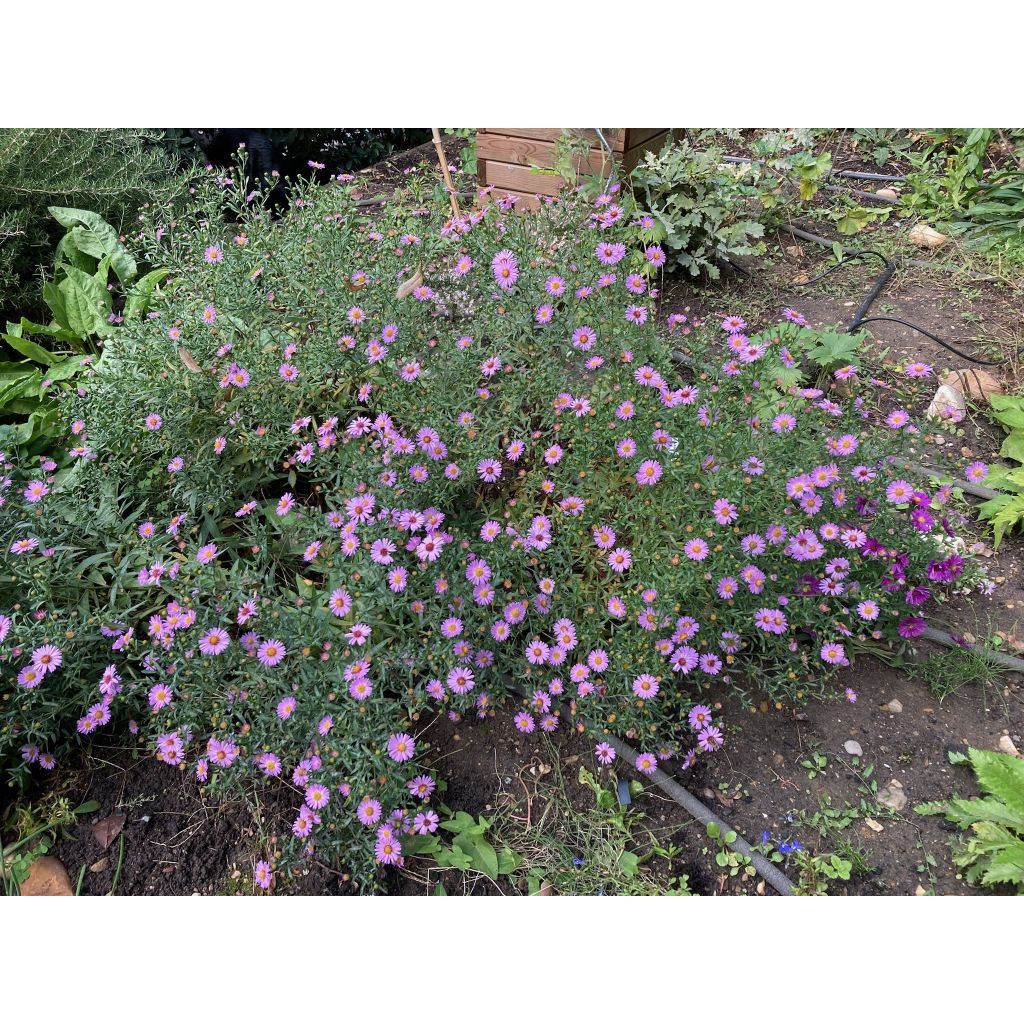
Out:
{"x": 206, "y": 554}
{"x": 610, "y": 253}
{"x": 368, "y": 811}
{"x": 488, "y": 470}
{"x": 213, "y": 254}
{"x": 696, "y": 550}
{"x": 421, "y": 787}
{"x": 214, "y": 641}
{"x": 620, "y": 559}
{"x": 271, "y": 653}
{"x": 976, "y": 472}
{"x": 899, "y": 492}
{"x": 401, "y": 747}
{"x": 524, "y": 722}
{"x": 209, "y": 315}
{"x": 317, "y": 796}
{"x": 153, "y": 421}
{"x": 285, "y": 504}
{"x": 269, "y": 764}
{"x": 605, "y": 753}
{"x": 636, "y": 314}
{"x": 262, "y": 875}
{"x": 710, "y": 739}
{"x": 645, "y": 686}
{"x": 649, "y": 472}
{"x": 286, "y": 708}
{"x": 646, "y": 763}
{"x": 834, "y": 654}
{"x": 160, "y": 696}
{"x": 47, "y": 658}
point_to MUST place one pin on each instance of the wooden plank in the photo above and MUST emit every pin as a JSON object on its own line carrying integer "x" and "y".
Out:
{"x": 638, "y": 136}
{"x": 529, "y": 153}
{"x": 515, "y": 177}
{"x": 633, "y": 156}
{"x": 616, "y": 137}
{"x": 527, "y": 200}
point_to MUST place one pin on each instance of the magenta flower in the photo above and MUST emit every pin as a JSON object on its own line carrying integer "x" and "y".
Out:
{"x": 646, "y": 763}
{"x": 524, "y": 722}
{"x": 317, "y": 796}
{"x": 160, "y": 696}
{"x": 47, "y": 658}
{"x": 605, "y": 753}
{"x": 214, "y": 641}
{"x": 262, "y": 875}
{"x": 401, "y": 747}
{"x": 271, "y": 653}
{"x": 649, "y": 472}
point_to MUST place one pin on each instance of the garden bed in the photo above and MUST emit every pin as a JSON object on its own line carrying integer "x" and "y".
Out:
{"x": 784, "y": 769}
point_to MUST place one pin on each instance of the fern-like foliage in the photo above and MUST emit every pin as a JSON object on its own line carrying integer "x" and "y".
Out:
{"x": 110, "y": 171}
{"x": 993, "y": 852}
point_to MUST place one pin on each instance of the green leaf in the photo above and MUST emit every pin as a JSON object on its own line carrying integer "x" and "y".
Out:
{"x": 101, "y": 238}
{"x": 85, "y": 300}
{"x": 30, "y": 349}
{"x": 629, "y": 864}
{"x": 1002, "y": 775}
{"x": 141, "y": 295}
{"x": 1013, "y": 446}
{"x": 440, "y": 890}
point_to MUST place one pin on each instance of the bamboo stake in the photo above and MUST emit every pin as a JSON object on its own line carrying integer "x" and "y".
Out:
{"x": 443, "y": 161}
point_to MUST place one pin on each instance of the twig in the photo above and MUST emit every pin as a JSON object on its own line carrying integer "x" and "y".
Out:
{"x": 443, "y": 160}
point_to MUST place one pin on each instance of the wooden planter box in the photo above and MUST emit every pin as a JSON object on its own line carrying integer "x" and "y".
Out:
{"x": 505, "y": 157}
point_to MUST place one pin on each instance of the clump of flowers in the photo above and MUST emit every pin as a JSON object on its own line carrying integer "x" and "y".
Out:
{"x": 407, "y": 461}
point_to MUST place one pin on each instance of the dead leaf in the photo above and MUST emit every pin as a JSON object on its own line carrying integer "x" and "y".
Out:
{"x": 108, "y": 829}
{"x": 101, "y": 865}
{"x": 406, "y": 288}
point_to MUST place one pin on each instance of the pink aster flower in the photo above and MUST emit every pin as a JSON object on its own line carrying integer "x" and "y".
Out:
{"x": 160, "y": 696}
{"x": 649, "y": 472}
{"x": 605, "y": 753}
{"x": 646, "y": 763}
{"x": 401, "y": 747}
{"x": 271, "y": 653}
{"x": 620, "y": 560}
{"x": 47, "y": 658}
{"x": 524, "y": 722}
{"x": 214, "y": 641}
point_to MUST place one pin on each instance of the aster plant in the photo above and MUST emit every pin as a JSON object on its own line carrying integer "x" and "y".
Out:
{"x": 358, "y": 468}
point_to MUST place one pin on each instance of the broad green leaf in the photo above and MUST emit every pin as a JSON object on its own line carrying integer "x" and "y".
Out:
{"x": 1013, "y": 446}
{"x": 101, "y": 235}
{"x": 30, "y": 350}
{"x": 85, "y": 300}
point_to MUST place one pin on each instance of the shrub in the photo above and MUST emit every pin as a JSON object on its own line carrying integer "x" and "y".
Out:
{"x": 705, "y": 212}
{"x": 358, "y": 468}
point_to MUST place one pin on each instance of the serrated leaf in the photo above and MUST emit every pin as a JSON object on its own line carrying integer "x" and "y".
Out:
{"x": 1002, "y": 775}
{"x": 1013, "y": 446}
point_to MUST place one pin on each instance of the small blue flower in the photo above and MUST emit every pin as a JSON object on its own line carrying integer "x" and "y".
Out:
{"x": 790, "y": 847}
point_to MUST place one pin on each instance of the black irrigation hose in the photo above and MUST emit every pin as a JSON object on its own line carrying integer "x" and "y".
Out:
{"x": 860, "y": 318}
{"x": 685, "y": 799}
{"x": 768, "y": 871}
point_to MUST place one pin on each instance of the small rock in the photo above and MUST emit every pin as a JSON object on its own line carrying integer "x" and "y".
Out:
{"x": 101, "y": 865}
{"x": 853, "y": 748}
{"x": 794, "y": 250}
{"x": 874, "y": 825}
{"x": 778, "y": 759}
{"x": 947, "y": 403}
{"x": 892, "y": 796}
{"x": 894, "y": 707}
{"x": 920, "y": 891}
{"x": 47, "y": 877}
{"x": 922, "y": 234}
{"x": 977, "y": 385}
{"x": 1006, "y": 745}
{"x": 887, "y": 193}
